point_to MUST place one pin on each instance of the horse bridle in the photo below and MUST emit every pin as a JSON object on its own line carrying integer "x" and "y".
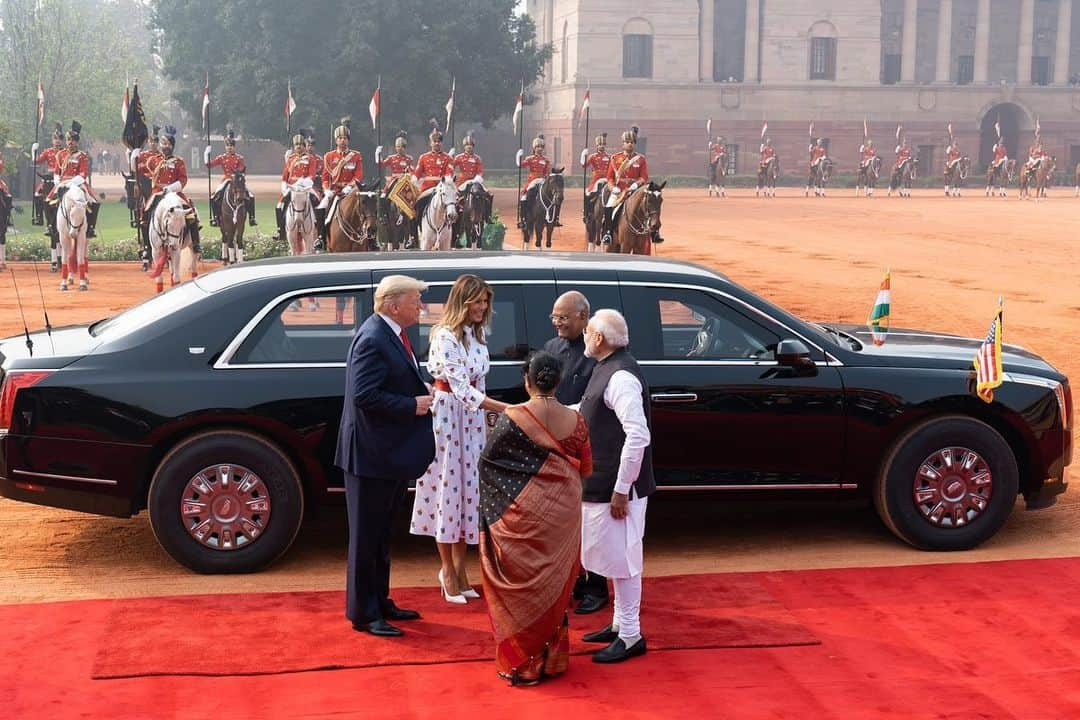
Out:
{"x": 163, "y": 231}
{"x": 303, "y": 217}
{"x": 452, "y": 203}
{"x": 477, "y": 196}
{"x": 67, "y": 218}
{"x": 352, "y": 233}
{"x": 643, "y": 228}
{"x": 550, "y": 207}
{"x": 229, "y": 195}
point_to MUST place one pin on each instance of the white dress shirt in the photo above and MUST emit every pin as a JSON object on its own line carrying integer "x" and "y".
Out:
{"x": 623, "y": 396}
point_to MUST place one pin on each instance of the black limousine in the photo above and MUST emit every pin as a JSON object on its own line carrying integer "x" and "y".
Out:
{"x": 215, "y": 406}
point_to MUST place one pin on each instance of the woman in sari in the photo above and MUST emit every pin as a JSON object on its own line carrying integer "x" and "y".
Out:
{"x": 530, "y": 525}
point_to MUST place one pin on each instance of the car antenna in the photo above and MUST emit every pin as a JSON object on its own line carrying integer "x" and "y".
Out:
{"x": 48, "y": 325}
{"x": 26, "y": 330}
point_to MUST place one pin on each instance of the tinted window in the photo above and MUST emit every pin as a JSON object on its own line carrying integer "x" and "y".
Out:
{"x": 506, "y": 337}
{"x": 310, "y": 329}
{"x": 680, "y": 324}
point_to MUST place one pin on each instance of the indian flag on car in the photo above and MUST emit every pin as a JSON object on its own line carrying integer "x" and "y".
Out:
{"x": 879, "y": 316}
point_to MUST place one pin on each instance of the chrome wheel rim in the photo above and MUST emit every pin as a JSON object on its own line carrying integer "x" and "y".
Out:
{"x": 952, "y": 487}
{"x": 225, "y": 507}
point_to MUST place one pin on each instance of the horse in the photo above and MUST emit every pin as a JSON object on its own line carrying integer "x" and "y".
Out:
{"x": 766, "y": 177}
{"x": 233, "y": 219}
{"x": 594, "y": 219}
{"x": 437, "y": 222}
{"x": 819, "y": 176}
{"x": 999, "y": 177}
{"x": 1077, "y": 174}
{"x": 473, "y": 216}
{"x": 354, "y": 226}
{"x": 956, "y": 174}
{"x": 5, "y": 217}
{"x": 399, "y": 226}
{"x": 542, "y": 209}
{"x": 300, "y": 228}
{"x": 639, "y": 218}
{"x": 71, "y": 217}
{"x": 902, "y": 177}
{"x": 168, "y": 238}
{"x": 1042, "y": 175}
{"x": 717, "y": 171}
{"x": 867, "y": 176}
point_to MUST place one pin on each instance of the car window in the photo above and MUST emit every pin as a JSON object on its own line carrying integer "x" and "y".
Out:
{"x": 506, "y": 337}
{"x": 313, "y": 329}
{"x": 144, "y": 313}
{"x": 694, "y": 325}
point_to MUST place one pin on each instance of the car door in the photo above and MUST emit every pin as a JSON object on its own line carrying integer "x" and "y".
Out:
{"x": 724, "y": 413}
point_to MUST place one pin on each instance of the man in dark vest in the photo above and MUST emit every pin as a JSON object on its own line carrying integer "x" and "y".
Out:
{"x": 569, "y": 316}
{"x": 615, "y": 496}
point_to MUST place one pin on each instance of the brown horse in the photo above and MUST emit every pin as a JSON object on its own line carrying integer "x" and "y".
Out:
{"x": 1039, "y": 176}
{"x": 818, "y": 177}
{"x": 867, "y": 176}
{"x": 594, "y": 218}
{"x": 955, "y": 175}
{"x": 638, "y": 220}
{"x": 766, "y": 177}
{"x": 353, "y": 227}
{"x": 998, "y": 178}
{"x": 542, "y": 209}
{"x": 233, "y": 219}
{"x": 902, "y": 177}
{"x": 717, "y": 173}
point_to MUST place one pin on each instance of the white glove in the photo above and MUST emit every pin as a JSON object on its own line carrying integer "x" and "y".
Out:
{"x": 284, "y": 187}
{"x": 55, "y": 179}
{"x": 584, "y": 156}
{"x": 616, "y": 190}
{"x": 479, "y": 179}
{"x": 378, "y": 155}
{"x": 76, "y": 181}
{"x": 633, "y": 187}
{"x": 173, "y": 187}
{"x": 287, "y": 153}
{"x": 134, "y": 159}
{"x": 348, "y": 189}
{"x": 328, "y": 195}
{"x": 206, "y": 155}
{"x": 520, "y": 154}
{"x": 33, "y": 150}
{"x": 452, "y": 152}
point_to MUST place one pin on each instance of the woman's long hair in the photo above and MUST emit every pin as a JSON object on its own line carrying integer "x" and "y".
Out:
{"x": 467, "y": 289}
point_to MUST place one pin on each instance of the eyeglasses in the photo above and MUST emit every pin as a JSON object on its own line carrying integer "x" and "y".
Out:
{"x": 560, "y": 318}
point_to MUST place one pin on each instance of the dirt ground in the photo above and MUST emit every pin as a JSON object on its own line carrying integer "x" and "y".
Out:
{"x": 820, "y": 258}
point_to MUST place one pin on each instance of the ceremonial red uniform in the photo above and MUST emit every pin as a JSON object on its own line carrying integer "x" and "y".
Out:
{"x": 431, "y": 168}
{"x": 903, "y": 154}
{"x": 717, "y": 150}
{"x": 816, "y": 153}
{"x": 952, "y": 154}
{"x": 398, "y": 165}
{"x": 51, "y": 158}
{"x": 539, "y": 168}
{"x": 304, "y": 165}
{"x": 72, "y": 164}
{"x": 164, "y": 171}
{"x": 1001, "y": 154}
{"x": 768, "y": 152}
{"x": 625, "y": 169}
{"x": 598, "y": 162}
{"x": 466, "y": 167}
{"x": 341, "y": 169}
{"x": 146, "y": 160}
{"x": 229, "y": 164}
{"x": 3, "y": 184}
{"x": 866, "y": 154}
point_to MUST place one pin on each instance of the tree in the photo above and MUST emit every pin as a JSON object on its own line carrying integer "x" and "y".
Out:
{"x": 334, "y": 51}
{"x": 81, "y": 51}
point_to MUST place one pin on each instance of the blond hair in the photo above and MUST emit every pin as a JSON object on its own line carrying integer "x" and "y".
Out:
{"x": 392, "y": 287}
{"x": 467, "y": 289}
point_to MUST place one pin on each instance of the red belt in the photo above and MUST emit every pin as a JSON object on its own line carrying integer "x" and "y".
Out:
{"x": 441, "y": 384}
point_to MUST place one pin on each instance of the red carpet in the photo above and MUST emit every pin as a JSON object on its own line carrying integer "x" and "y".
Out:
{"x": 304, "y": 631}
{"x": 984, "y": 640}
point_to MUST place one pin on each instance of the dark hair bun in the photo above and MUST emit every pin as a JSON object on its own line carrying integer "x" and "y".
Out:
{"x": 544, "y": 371}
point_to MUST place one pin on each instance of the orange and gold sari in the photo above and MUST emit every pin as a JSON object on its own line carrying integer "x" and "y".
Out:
{"x": 530, "y": 540}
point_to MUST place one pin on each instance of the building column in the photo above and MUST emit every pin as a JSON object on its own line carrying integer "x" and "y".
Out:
{"x": 907, "y": 51}
{"x": 1064, "y": 35}
{"x": 1025, "y": 46}
{"x": 982, "y": 41}
{"x": 708, "y": 9}
{"x": 753, "y": 41}
{"x": 943, "y": 66}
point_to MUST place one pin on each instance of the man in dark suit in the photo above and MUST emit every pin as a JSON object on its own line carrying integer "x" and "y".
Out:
{"x": 385, "y": 440}
{"x": 569, "y": 316}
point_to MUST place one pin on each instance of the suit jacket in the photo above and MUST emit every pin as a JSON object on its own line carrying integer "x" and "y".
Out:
{"x": 381, "y": 436}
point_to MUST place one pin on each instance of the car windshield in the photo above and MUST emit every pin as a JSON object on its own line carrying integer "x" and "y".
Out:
{"x": 146, "y": 312}
{"x": 843, "y": 339}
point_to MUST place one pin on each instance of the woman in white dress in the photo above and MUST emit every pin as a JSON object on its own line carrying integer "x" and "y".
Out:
{"x": 447, "y": 500}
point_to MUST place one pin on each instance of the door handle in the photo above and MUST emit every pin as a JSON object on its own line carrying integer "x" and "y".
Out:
{"x": 674, "y": 397}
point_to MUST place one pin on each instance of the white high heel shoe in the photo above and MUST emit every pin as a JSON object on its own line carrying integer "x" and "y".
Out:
{"x": 453, "y": 599}
{"x": 470, "y": 593}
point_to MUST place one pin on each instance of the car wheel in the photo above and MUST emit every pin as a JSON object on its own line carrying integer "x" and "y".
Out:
{"x": 225, "y": 501}
{"x": 948, "y": 484}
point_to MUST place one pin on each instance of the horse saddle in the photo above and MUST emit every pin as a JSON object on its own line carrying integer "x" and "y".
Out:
{"x": 403, "y": 195}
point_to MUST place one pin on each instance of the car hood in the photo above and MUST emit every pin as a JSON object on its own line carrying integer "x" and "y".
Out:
{"x": 61, "y": 347}
{"x": 921, "y": 348}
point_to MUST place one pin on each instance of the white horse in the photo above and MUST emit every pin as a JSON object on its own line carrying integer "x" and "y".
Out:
{"x": 300, "y": 219}
{"x": 71, "y": 229}
{"x": 168, "y": 238}
{"x": 437, "y": 224}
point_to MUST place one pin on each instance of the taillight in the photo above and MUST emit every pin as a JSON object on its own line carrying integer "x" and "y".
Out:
{"x": 14, "y": 381}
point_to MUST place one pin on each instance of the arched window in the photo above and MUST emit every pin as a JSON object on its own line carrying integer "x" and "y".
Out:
{"x": 823, "y": 51}
{"x": 565, "y": 60}
{"x": 637, "y": 48}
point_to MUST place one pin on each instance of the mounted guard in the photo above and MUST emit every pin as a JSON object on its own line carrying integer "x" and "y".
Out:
{"x": 627, "y": 173}
{"x": 597, "y": 163}
{"x": 474, "y": 200}
{"x": 5, "y": 215}
{"x": 74, "y": 165}
{"x": 230, "y": 162}
{"x": 50, "y": 158}
{"x": 768, "y": 168}
{"x": 299, "y": 163}
{"x": 718, "y": 154}
{"x": 539, "y": 167}
{"x": 168, "y": 175}
{"x": 956, "y": 167}
{"x": 999, "y": 173}
{"x": 343, "y": 172}
{"x": 869, "y": 168}
{"x": 431, "y": 168}
{"x": 400, "y": 166}
{"x": 903, "y": 169}
{"x": 818, "y": 169}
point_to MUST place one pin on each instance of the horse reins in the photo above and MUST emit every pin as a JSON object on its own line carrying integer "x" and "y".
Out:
{"x": 550, "y": 208}
{"x": 351, "y": 233}
{"x": 642, "y": 229}
{"x": 431, "y": 204}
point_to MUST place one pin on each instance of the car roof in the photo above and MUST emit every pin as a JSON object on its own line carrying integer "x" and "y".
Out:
{"x": 473, "y": 261}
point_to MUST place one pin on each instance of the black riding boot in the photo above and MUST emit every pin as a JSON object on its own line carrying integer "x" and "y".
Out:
{"x": 521, "y": 214}
{"x": 487, "y": 206}
{"x": 91, "y": 219}
{"x": 196, "y": 243}
{"x": 39, "y": 211}
{"x": 279, "y": 215}
{"x": 215, "y": 210}
{"x": 656, "y": 238}
{"x": 608, "y": 222}
{"x": 250, "y": 203}
{"x": 320, "y": 226}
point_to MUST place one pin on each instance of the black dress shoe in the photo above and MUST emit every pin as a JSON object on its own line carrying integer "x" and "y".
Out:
{"x": 617, "y": 651}
{"x": 607, "y": 635}
{"x": 590, "y": 604}
{"x": 391, "y": 611}
{"x": 380, "y": 628}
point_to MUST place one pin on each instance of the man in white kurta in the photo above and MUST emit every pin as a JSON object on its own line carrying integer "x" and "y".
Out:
{"x": 616, "y": 495}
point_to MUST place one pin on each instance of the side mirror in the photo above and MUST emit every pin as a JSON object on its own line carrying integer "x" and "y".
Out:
{"x": 794, "y": 354}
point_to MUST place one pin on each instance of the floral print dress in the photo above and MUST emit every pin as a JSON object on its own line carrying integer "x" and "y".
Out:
{"x": 447, "y": 500}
